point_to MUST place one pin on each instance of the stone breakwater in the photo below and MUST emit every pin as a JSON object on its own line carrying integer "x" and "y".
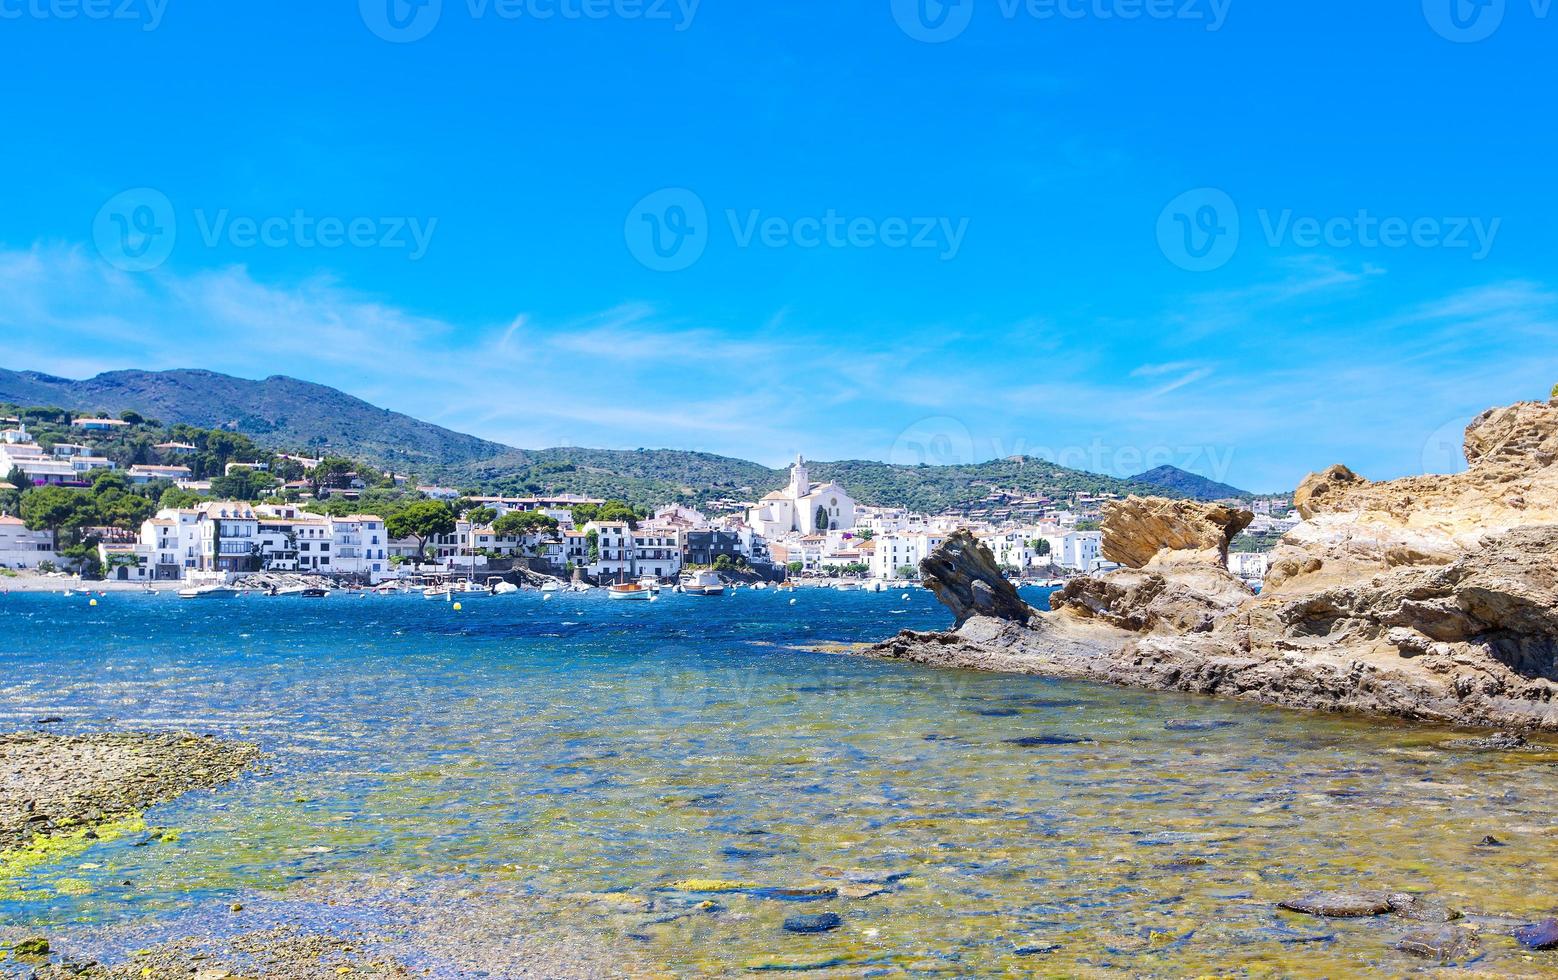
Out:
{"x": 1430, "y": 598}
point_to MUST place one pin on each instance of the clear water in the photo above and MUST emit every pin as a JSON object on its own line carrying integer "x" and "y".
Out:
{"x": 590, "y": 754}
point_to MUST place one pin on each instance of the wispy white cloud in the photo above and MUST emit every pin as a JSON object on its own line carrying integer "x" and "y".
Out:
{"x": 1240, "y": 397}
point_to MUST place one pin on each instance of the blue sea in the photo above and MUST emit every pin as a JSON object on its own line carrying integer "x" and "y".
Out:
{"x": 666, "y": 783}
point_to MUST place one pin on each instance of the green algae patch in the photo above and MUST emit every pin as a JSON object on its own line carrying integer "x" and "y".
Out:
{"x": 22, "y": 862}
{"x": 709, "y": 885}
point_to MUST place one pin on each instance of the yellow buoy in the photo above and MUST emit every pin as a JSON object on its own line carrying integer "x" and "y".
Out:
{"x": 92, "y": 603}
{"x": 457, "y": 607}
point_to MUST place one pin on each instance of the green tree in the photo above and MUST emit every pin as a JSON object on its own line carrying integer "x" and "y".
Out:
{"x": 908, "y": 571}
{"x": 242, "y": 484}
{"x": 420, "y": 521}
{"x": 331, "y": 474}
{"x": 134, "y": 418}
{"x": 54, "y": 509}
{"x": 822, "y": 518}
{"x": 520, "y": 523}
{"x": 177, "y": 498}
{"x": 481, "y": 516}
{"x": 796, "y": 566}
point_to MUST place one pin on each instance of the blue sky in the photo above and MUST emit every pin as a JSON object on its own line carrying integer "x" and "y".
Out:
{"x": 1248, "y": 239}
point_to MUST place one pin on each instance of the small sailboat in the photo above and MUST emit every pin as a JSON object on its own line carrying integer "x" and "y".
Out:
{"x": 630, "y": 591}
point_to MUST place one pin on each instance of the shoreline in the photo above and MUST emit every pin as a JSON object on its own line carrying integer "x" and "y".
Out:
{"x": 1355, "y": 685}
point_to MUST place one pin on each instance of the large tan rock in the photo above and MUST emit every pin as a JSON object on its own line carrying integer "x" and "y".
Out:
{"x": 1139, "y": 531}
{"x": 1325, "y": 490}
{"x": 1175, "y": 599}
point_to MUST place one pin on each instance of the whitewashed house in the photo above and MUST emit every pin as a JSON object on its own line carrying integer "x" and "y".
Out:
{"x": 21, "y": 548}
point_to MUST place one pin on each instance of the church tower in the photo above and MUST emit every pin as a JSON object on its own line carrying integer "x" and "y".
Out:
{"x": 800, "y": 480}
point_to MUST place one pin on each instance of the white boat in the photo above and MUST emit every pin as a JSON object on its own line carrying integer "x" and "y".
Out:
{"x": 438, "y": 593}
{"x": 551, "y": 585}
{"x": 876, "y": 585}
{"x": 651, "y": 583}
{"x": 630, "y": 591}
{"x": 205, "y": 591}
{"x": 846, "y": 586}
{"x": 704, "y": 583}
{"x": 504, "y": 588}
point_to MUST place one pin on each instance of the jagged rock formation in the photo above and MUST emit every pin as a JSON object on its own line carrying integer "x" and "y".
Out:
{"x": 1139, "y": 531}
{"x": 963, "y": 574}
{"x": 1432, "y": 597}
{"x": 1186, "y": 599}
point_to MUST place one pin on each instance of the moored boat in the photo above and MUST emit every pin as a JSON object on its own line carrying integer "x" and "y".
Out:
{"x": 630, "y": 590}
{"x": 704, "y": 583}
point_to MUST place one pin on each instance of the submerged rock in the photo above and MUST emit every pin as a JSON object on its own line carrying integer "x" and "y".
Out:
{"x": 820, "y": 922}
{"x": 1188, "y": 725}
{"x": 1445, "y": 944}
{"x": 1339, "y": 905}
{"x": 1419, "y": 909}
{"x": 1036, "y": 741}
{"x": 1538, "y": 935}
{"x": 1490, "y": 841}
{"x": 1497, "y": 742}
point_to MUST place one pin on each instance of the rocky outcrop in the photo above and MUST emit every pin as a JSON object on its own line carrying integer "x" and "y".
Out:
{"x": 1185, "y": 599}
{"x": 1321, "y": 491}
{"x": 1430, "y": 597}
{"x": 1139, "y": 531}
{"x": 963, "y": 574}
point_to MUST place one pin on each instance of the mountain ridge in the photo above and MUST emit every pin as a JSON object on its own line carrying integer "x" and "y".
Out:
{"x": 281, "y": 412}
{"x": 1190, "y": 484}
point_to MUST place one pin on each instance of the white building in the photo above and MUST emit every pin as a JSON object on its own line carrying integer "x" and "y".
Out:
{"x": 21, "y": 548}
{"x": 1250, "y": 566}
{"x": 803, "y": 507}
{"x": 142, "y": 474}
{"x": 902, "y": 550}
{"x": 620, "y": 553}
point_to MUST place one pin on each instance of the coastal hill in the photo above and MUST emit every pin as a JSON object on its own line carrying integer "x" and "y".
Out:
{"x": 1183, "y": 483}
{"x": 289, "y": 414}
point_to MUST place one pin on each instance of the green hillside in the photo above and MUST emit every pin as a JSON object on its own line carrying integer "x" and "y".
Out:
{"x": 287, "y": 414}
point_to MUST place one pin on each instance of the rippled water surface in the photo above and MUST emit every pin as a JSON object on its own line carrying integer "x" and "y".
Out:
{"x": 612, "y": 759}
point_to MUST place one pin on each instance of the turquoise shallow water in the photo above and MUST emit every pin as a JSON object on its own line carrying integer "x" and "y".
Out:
{"x": 608, "y": 763}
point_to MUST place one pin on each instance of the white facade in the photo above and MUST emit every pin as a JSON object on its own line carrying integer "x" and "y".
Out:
{"x": 803, "y": 507}
{"x": 623, "y": 554}
{"x": 21, "y": 548}
{"x": 902, "y": 549}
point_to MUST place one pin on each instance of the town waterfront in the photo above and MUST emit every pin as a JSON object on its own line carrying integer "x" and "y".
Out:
{"x": 660, "y": 786}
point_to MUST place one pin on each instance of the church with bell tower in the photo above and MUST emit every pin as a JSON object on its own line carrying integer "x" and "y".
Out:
{"x": 803, "y": 507}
